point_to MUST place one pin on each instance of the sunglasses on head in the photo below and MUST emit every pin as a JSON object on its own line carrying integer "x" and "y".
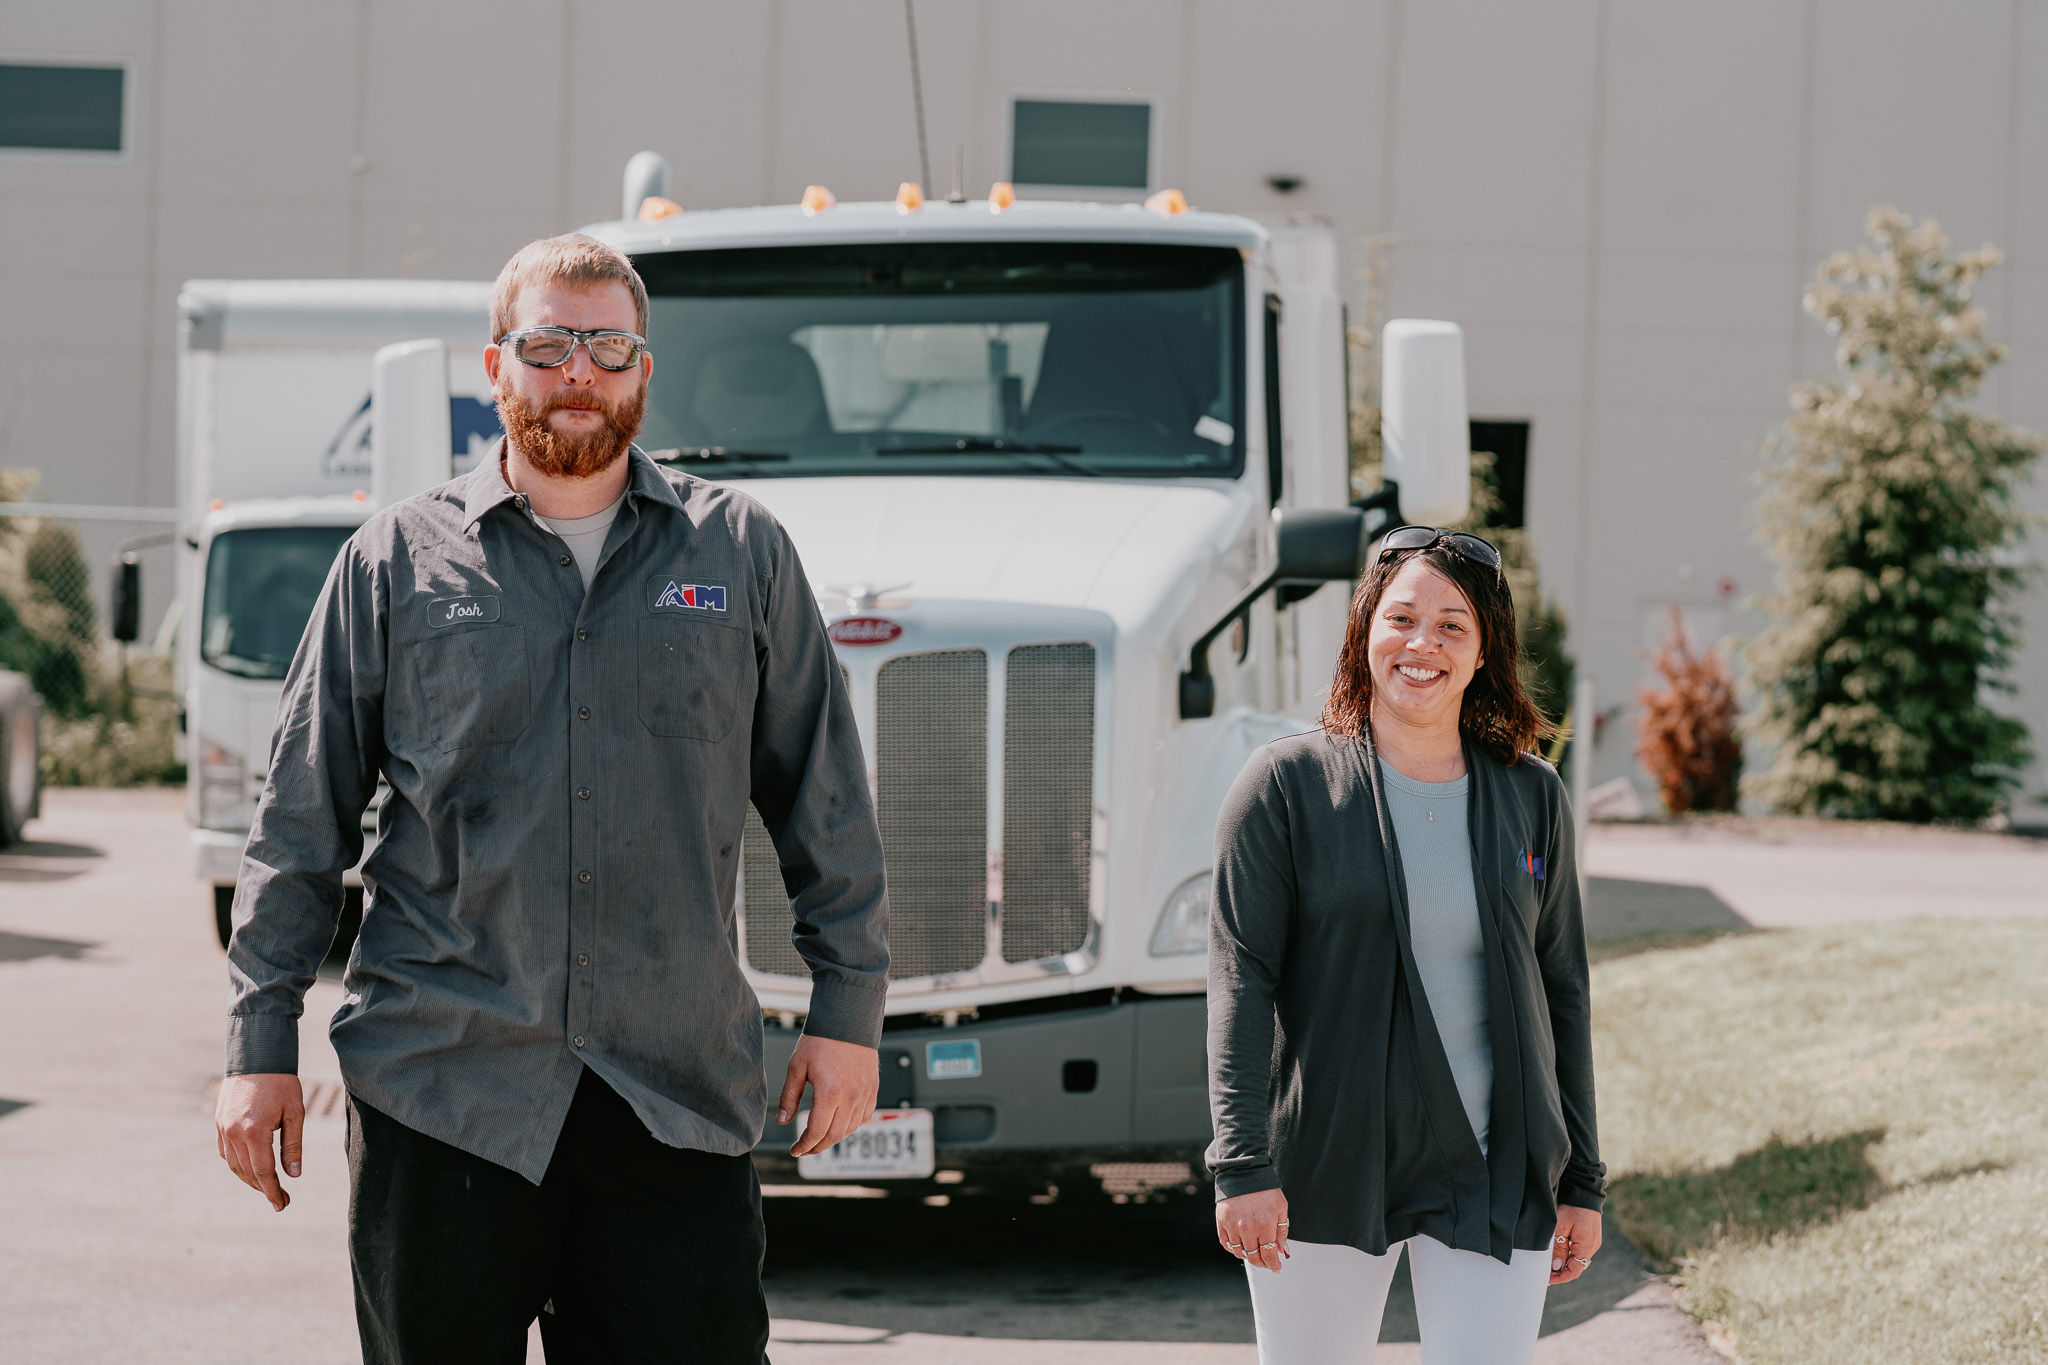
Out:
{"x": 1403, "y": 538}
{"x": 544, "y": 348}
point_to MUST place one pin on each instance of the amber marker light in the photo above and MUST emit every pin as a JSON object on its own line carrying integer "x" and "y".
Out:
{"x": 1168, "y": 202}
{"x": 1001, "y": 195}
{"x": 654, "y": 208}
{"x": 909, "y": 197}
{"x": 816, "y": 200}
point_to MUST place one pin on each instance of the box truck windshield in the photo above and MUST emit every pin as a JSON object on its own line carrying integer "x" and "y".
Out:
{"x": 948, "y": 358}
{"x": 261, "y": 584}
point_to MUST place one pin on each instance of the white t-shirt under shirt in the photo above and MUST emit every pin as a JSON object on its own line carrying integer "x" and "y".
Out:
{"x": 1443, "y": 920}
{"x": 585, "y": 536}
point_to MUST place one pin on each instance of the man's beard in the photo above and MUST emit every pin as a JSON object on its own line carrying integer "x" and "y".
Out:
{"x": 570, "y": 457}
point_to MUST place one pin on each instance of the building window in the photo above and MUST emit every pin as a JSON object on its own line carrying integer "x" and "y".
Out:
{"x": 61, "y": 108}
{"x": 1082, "y": 144}
{"x": 1507, "y": 474}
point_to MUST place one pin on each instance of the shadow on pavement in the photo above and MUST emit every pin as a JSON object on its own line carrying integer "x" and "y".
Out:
{"x": 36, "y": 860}
{"x": 1618, "y": 907}
{"x": 1081, "y": 1270}
{"x": 29, "y": 947}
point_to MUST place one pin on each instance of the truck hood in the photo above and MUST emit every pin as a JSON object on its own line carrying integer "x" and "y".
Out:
{"x": 1112, "y": 546}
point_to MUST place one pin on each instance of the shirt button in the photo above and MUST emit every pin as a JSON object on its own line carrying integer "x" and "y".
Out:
{"x": 578, "y": 1040}
{"x": 583, "y": 713}
{"x": 583, "y": 876}
{"x": 583, "y": 959}
{"x": 583, "y": 635}
{"x": 565, "y": 561}
{"x": 583, "y": 793}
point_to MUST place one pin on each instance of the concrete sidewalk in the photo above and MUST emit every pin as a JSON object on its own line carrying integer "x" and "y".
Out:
{"x": 1769, "y": 873}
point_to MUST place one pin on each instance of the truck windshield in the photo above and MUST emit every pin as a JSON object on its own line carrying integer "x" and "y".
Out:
{"x": 261, "y": 584}
{"x": 948, "y": 358}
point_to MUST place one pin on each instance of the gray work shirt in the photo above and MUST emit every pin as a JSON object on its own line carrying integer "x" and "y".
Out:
{"x": 553, "y": 881}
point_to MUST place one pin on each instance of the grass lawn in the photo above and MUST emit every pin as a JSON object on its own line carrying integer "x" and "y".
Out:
{"x": 1837, "y": 1139}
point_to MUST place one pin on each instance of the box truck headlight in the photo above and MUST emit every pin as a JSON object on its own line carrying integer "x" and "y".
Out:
{"x": 223, "y": 788}
{"x": 1184, "y": 924}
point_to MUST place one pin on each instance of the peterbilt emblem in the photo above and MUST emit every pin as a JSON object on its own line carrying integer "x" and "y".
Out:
{"x": 863, "y": 630}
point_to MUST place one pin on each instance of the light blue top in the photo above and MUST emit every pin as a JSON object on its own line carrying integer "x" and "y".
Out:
{"x": 1443, "y": 912}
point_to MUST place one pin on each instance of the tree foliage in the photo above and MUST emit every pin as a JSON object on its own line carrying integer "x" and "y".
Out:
{"x": 1892, "y": 511}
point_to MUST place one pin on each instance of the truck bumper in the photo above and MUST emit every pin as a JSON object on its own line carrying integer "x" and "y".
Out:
{"x": 1118, "y": 1083}
{"x": 217, "y": 854}
{"x": 217, "y": 857}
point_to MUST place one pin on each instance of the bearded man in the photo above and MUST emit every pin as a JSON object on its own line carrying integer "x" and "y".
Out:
{"x": 574, "y": 668}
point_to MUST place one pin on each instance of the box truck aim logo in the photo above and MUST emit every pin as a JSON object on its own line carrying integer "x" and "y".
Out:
{"x": 472, "y": 426}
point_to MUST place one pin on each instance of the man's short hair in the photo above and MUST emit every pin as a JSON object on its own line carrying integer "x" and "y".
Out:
{"x": 573, "y": 259}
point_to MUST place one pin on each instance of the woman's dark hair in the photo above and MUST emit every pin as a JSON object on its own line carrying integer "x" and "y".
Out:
{"x": 1496, "y": 713}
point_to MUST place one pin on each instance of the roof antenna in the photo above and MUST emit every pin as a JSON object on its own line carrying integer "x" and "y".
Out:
{"x": 924, "y": 156}
{"x": 958, "y": 196}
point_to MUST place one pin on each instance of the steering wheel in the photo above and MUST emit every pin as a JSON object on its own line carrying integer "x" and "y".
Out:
{"x": 1157, "y": 427}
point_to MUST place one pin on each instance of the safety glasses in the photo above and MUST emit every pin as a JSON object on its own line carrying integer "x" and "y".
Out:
{"x": 1423, "y": 537}
{"x": 546, "y": 347}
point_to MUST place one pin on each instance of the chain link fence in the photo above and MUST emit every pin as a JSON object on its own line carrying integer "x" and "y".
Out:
{"x": 109, "y": 711}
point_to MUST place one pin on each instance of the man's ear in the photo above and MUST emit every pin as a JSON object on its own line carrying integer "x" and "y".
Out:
{"x": 491, "y": 357}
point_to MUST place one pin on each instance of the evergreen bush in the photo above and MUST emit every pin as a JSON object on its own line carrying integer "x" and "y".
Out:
{"x": 1892, "y": 511}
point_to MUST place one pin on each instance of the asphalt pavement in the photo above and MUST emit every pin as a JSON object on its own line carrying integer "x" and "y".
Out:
{"x": 124, "y": 1238}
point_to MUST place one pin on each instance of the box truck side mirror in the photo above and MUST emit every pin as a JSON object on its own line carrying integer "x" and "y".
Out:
{"x": 1313, "y": 546}
{"x": 410, "y": 446}
{"x": 126, "y": 599}
{"x": 1423, "y": 423}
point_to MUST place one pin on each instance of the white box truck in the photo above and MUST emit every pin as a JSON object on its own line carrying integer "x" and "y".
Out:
{"x": 1071, "y": 485}
{"x": 275, "y": 471}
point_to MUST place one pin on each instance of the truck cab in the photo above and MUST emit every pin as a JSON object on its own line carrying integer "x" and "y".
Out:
{"x": 1036, "y": 457}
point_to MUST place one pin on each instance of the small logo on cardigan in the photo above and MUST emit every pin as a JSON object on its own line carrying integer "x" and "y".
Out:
{"x": 1530, "y": 863}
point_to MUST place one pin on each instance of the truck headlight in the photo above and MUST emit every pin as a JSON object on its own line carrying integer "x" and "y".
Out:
{"x": 223, "y": 788}
{"x": 1184, "y": 924}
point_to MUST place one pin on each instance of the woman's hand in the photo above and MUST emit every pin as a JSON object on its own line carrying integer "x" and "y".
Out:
{"x": 1253, "y": 1228}
{"x": 1576, "y": 1239}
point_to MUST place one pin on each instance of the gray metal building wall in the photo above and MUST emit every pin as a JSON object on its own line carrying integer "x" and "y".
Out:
{"x": 1620, "y": 202}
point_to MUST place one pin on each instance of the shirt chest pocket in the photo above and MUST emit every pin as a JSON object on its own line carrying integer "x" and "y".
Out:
{"x": 476, "y": 686}
{"x": 695, "y": 677}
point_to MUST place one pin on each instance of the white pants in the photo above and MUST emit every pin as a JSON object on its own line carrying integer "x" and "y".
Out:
{"x": 1323, "y": 1306}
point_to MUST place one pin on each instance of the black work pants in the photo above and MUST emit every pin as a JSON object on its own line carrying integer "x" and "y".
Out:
{"x": 629, "y": 1250}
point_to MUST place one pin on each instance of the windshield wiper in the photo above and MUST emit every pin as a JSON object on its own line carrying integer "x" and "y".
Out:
{"x": 998, "y": 445}
{"x": 974, "y": 445}
{"x": 713, "y": 455}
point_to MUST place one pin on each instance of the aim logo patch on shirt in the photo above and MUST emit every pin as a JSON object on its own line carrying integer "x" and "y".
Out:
{"x": 672, "y": 594}
{"x": 1530, "y": 863}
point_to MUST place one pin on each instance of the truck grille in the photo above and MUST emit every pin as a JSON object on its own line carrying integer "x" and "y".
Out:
{"x": 931, "y": 778}
{"x": 768, "y": 912}
{"x": 1048, "y": 799}
{"x": 931, "y": 799}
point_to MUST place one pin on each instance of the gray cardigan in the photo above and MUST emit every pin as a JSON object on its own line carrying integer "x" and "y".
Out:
{"x": 1326, "y": 1075}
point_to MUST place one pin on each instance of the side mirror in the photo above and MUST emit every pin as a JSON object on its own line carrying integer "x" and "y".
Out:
{"x": 410, "y": 446}
{"x": 1313, "y": 546}
{"x": 126, "y": 605}
{"x": 1423, "y": 420}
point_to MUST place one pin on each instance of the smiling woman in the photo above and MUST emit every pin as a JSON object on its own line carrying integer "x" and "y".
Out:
{"x": 1432, "y": 1086}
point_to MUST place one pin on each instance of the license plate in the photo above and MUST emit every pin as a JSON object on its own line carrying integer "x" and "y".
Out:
{"x": 896, "y": 1144}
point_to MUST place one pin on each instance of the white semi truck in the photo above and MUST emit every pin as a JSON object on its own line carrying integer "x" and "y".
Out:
{"x": 1071, "y": 485}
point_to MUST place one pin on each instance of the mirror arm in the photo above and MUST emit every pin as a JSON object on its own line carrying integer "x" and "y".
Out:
{"x": 1197, "y": 687}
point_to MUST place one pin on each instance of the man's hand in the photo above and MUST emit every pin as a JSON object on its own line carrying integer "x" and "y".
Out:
{"x": 1572, "y": 1248}
{"x": 250, "y": 1110}
{"x": 843, "y": 1078}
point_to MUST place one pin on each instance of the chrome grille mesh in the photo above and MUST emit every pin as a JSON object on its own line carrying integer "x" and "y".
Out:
{"x": 1048, "y": 799}
{"x": 768, "y": 913}
{"x": 931, "y": 780}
